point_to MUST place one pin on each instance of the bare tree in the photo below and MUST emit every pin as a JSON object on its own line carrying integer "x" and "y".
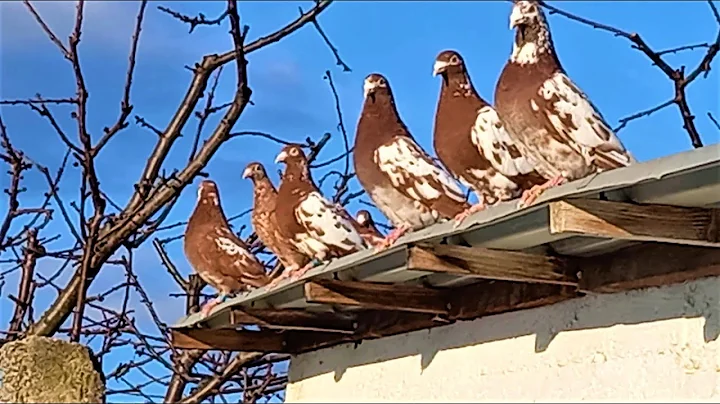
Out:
{"x": 103, "y": 234}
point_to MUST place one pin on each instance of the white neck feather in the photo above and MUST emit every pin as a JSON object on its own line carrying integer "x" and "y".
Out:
{"x": 529, "y": 52}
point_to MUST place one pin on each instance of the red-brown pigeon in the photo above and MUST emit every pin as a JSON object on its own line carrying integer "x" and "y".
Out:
{"x": 218, "y": 256}
{"x": 404, "y": 182}
{"x": 264, "y": 221}
{"x": 314, "y": 225}
{"x": 551, "y": 120}
{"x": 365, "y": 219}
{"x": 471, "y": 141}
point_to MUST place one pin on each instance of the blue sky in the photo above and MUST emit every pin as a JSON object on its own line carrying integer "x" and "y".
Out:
{"x": 292, "y": 101}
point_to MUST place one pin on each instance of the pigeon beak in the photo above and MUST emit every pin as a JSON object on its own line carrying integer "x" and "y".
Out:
{"x": 439, "y": 67}
{"x": 516, "y": 18}
{"x": 247, "y": 173}
{"x": 368, "y": 89}
{"x": 281, "y": 157}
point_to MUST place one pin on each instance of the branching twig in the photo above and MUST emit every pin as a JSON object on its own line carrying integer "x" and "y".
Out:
{"x": 679, "y": 78}
{"x": 194, "y": 21}
{"x": 125, "y": 105}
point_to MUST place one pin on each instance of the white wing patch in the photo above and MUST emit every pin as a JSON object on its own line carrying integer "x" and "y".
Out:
{"x": 324, "y": 224}
{"x": 589, "y": 130}
{"x": 407, "y": 166}
{"x": 232, "y": 248}
{"x": 490, "y": 137}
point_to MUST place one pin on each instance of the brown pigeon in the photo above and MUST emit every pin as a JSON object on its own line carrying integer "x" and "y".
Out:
{"x": 315, "y": 226}
{"x": 264, "y": 222}
{"x": 472, "y": 143}
{"x": 405, "y": 183}
{"x": 365, "y": 219}
{"x": 218, "y": 256}
{"x": 551, "y": 120}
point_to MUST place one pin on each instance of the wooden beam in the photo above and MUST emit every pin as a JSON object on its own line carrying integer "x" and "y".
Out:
{"x": 491, "y": 264}
{"x": 380, "y": 296}
{"x": 228, "y": 339}
{"x": 467, "y": 303}
{"x": 488, "y": 298}
{"x": 663, "y": 223}
{"x": 295, "y": 319}
{"x": 648, "y": 265}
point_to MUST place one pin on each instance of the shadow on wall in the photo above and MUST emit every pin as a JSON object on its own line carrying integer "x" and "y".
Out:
{"x": 689, "y": 300}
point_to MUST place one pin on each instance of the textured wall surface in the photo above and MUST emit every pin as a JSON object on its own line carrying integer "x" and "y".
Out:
{"x": 654, "y": 344}
{"x": 46, "y": 370}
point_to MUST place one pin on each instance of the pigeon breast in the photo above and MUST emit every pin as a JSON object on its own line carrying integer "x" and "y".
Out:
{"x": 218, "y": 256}
{"x": 406, "y": 185}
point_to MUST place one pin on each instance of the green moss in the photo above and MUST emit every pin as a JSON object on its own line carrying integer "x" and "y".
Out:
{"x": 44, "y": 370}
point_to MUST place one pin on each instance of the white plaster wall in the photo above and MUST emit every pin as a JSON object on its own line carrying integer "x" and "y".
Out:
{"x": 659, "y": 344}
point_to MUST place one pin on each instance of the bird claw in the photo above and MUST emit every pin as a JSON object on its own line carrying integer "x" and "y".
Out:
{"x": 391, "y": 238}
{"x": 460, "y": 217}
{"x": 273, "y": 283}
{"x": 529, "y": 196}
{"x": 207, "y": 308}
{"x": 300, "y": 272}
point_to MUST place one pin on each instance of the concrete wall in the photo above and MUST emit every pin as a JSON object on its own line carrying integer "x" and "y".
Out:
{"x": 654, "y": 344}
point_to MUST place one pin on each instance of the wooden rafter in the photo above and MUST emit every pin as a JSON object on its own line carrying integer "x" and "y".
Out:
{"x": 649, "y": 265}
{"x": 380, "y": 296}
{"x": 674, "y": 224}
{"x": 228, "y": 339}
{"x": 491, "y": 264}
{"x": 295, "y": 319}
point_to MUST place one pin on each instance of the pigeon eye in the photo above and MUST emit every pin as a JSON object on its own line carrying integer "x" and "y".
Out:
{"x": 454, "y": 60}
{"x": 293, "y": 152}
{"x": 381, "y": 82}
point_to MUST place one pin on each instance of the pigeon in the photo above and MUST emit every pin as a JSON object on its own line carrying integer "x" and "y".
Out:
{"x": 265, "y": 224}
{"x": 218, "y": 256}
{"x": 405, "y": 184}
{"x": 551, "y": 120}
{"x": 316, "y": 226}
{"x": 471, "y": 141}
{"x": 365, "y": 220}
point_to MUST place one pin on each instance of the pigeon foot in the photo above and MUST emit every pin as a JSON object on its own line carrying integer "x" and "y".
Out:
{"x": 529, "y": 196}
{"x": 459, "y": 218}
{"x": 207, "y": 307}
{"x": 310, "y": 265}
{"x": 391, "y": 238}
{"x": 284, "y": 275}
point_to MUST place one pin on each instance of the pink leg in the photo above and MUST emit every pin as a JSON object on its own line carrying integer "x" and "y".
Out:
{"x": 310, "y": 265}
{"x": 467, "y": 212}
{"x": 284, "y": 275}
{"x": 392, "y": 238}
{"x": 207, "y": 307}
{"x": 530, "y": 195}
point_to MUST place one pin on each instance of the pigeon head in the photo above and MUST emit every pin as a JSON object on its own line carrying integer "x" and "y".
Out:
{"x": 532, "y": 34}
{"x": 364, "y": 218}
{"x": 448, "y": 62}
{"x": 254, "y": 171}
{"x": 526, "y": 13}
{"x": 375, "y": 84}
{"x": 292, "y": 154}
{"x": 296, "y": 164}
{"x": 208, "y": 193}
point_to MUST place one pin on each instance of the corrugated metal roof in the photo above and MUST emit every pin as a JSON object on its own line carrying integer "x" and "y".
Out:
{"x": 689, "y": 178}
